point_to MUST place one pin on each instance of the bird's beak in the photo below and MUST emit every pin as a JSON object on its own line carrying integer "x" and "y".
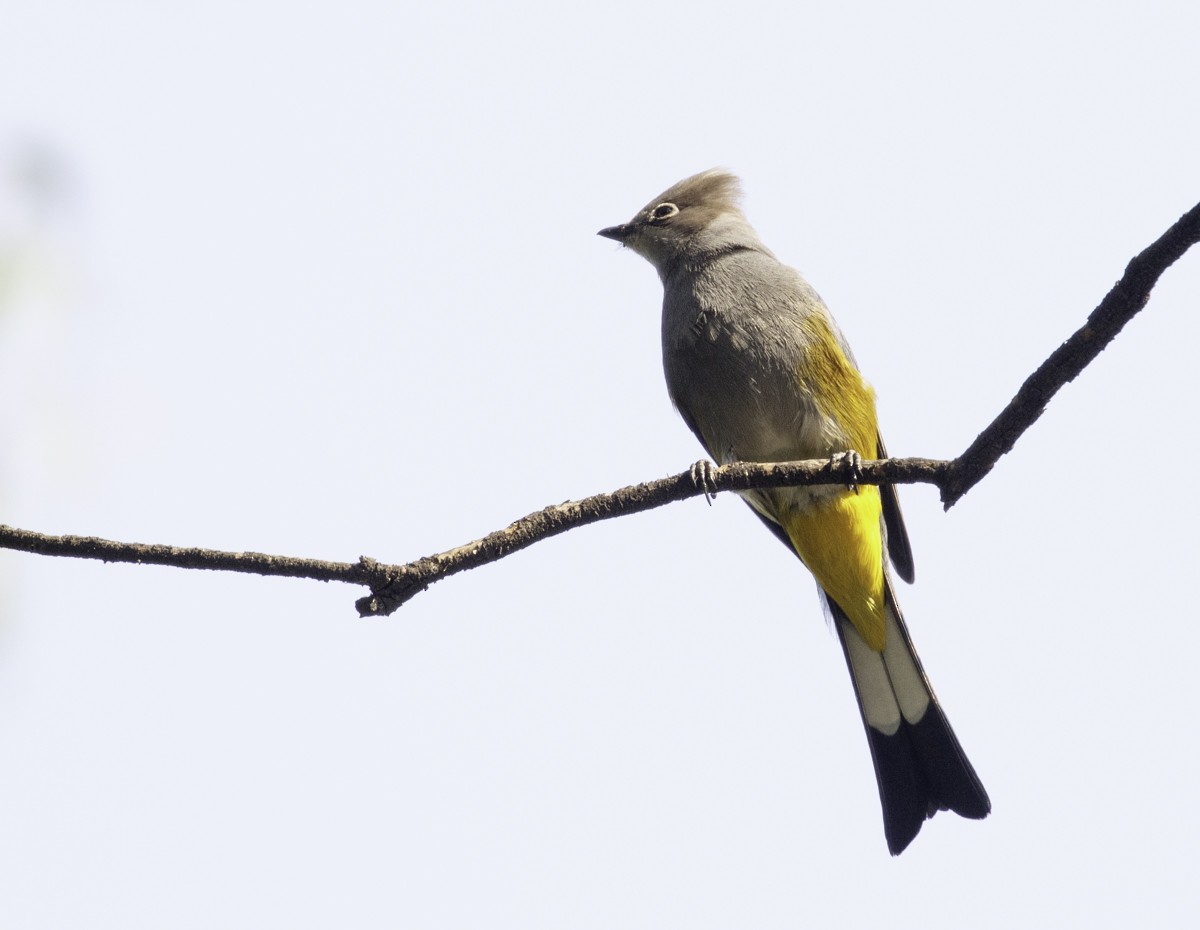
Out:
{"x": 620, "y": 233}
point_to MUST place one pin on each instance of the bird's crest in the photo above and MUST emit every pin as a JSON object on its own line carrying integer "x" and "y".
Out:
{"x": 716, "y": 190}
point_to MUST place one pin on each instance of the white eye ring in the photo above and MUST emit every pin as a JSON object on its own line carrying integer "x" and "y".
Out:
{"x": 664, "y": 211}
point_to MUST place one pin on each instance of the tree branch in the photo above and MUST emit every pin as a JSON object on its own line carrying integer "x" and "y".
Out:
{"x": 1120, "y": 305}
{"x": 393, "y": 585}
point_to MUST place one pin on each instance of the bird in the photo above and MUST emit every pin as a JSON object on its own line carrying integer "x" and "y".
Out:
{"x": 760, "y": 372}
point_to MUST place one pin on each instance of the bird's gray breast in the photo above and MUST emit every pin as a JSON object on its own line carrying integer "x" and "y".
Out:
{"x": 734, "y": 344}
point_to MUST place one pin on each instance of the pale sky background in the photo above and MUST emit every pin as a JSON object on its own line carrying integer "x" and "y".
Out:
{"x": 323, "y": 279}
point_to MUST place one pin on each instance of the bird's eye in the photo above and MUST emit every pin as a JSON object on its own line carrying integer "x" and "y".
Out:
{"x": 664, "y": 211}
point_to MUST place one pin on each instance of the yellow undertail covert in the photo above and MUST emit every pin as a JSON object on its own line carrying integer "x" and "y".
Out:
{"x": 841, "y": 542}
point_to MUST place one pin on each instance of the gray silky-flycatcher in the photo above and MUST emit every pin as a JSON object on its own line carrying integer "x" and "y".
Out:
{"x": 759, "y": 370}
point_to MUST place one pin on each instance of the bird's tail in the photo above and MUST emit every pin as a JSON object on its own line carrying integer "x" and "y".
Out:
{"x": 920, "y": 767}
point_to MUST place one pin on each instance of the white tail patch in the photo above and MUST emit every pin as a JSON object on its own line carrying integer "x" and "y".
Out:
{"x": 889, "y": 683}
{"x": 908, "y": 681}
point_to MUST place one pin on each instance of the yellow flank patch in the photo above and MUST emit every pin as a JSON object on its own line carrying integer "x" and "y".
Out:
{"x": 838, "y": 388}
{"x": 841, "y": 543}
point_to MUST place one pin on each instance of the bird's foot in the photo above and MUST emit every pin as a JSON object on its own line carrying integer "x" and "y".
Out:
{"x": 702, "y": 478}
{"x": 848, "y": 461}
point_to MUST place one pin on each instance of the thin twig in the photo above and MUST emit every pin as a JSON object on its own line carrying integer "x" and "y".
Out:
{"x": 107, "y": 550}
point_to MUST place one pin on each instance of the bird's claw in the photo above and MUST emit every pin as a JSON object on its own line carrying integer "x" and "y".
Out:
{"x": 702, "y": 478}
{"x": 850, "y": 461}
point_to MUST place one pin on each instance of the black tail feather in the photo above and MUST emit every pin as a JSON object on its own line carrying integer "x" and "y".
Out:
{"x": 921, "y": 770}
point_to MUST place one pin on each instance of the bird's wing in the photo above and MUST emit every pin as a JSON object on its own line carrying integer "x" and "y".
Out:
{"x": 899, "y": 548}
